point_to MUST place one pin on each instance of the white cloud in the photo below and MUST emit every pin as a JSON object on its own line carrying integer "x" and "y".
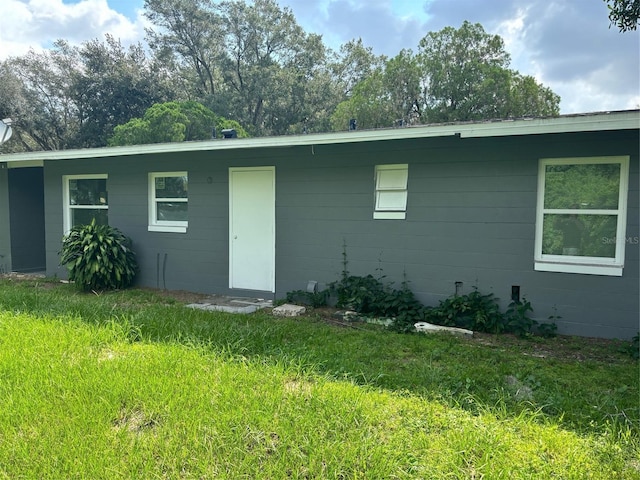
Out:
{"x": 36, "y": 24}
{"x": 587, "y": 96}
{"x": 510, "y": 30}
{"x": 565, "y": 44}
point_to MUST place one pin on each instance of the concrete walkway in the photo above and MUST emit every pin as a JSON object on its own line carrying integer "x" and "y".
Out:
{"x": 223, "y": 303}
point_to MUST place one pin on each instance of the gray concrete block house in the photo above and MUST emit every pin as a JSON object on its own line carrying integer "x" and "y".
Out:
{"x": 548, "y": 207}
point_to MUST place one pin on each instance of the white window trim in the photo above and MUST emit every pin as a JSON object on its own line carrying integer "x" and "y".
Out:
{"x": 66, "y": 211}
{"x": 398, "y": 213}
{"x": 156, "y": 225}
{"x": 581, "y": 264}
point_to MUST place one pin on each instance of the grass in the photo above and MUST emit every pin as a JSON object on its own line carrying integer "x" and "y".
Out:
{"x": 133, "y": 385}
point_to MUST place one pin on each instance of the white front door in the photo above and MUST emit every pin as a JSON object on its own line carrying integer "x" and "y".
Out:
{"x": 252, "y": 228}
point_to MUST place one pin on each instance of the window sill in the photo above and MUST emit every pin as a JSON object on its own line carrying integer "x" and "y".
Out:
{"x": 582, "y": 268}
{"x": 389, "y": 215}
{"x": 167, "y": 229}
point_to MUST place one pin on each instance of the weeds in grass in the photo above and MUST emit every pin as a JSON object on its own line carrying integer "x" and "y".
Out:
{"x": 125, "y": 386}
{"x": 634, "y": 347}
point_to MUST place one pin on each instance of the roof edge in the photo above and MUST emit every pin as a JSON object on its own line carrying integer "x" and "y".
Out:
{"x": 599, "y": 121}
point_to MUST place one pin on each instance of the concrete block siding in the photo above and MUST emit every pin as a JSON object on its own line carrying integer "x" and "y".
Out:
{"x": 470, "y": 217}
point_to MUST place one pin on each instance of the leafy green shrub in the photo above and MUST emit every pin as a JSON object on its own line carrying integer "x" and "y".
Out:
{"x": 404, "y": 307}
{"x": 98, "y": 257}
{"x": 371, "y": 297}
{"x": 361, "y": 294}
{"x": 547, "y": 330}
{"x": 517, "y": 318}
{"x": 473, "y": 311}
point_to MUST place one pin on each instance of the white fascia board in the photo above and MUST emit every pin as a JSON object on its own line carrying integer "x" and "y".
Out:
{"x": 625, "y": 120}
{"x": 237, "y": 143}
{"x": 25, "y": 163}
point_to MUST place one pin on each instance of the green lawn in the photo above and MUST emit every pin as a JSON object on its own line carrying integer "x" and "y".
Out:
{"x": 131, "y": 385}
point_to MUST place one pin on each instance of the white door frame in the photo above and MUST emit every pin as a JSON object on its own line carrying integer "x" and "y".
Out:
{"x": 242, "y": 273}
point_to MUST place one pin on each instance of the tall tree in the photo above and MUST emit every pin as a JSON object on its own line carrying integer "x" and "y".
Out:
{"x": 249, "y": 59}
{"x": 387, "y": 97}
{"x": 624, "y": 14}
{"x": 14, "y": 105}
{"x": 368, "y": 105}
{"x": 189, "y": 32}
{"x": 114, "y": 85}
{"x": 72, "y": 97}
{"x": 353, "y": 63}
{"x": 402, "y": 81}
{"x": 44, "y": 114}
{"x": 269, "y": 61}
{"x": 463, "y": 73}
{"x": 528, "y": 98}
{"x": 458, "y": 75}
{"x": 465, "y": 76}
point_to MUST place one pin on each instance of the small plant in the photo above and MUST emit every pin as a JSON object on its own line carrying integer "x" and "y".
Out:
{"x": 357, "y": 293}
{"x": 98, "y": 257}
{"x": 517, "y": 317}
{"x": 547, "y": 330}
{"x": 370, "y": 296}
{"x": 313, "y": 299}
{"x": 634, "y": 347}
{"x": 405, "y": 308}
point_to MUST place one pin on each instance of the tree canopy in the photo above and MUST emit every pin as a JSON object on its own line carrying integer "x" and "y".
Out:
{"x": 250, "y": 62}
{"x": 73, "y": 97}
{"x": 624, "y": 14}
{"x": 457, "y": 75}
{"x": 173, "y": 122}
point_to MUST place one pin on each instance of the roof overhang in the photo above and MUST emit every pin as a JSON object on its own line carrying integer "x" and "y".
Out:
{"x": 591, "y": 122}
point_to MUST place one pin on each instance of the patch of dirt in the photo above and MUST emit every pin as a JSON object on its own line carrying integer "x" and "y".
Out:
{"x": 560, "y": 347}
{"x": 134, "y": 421}
{"x": 180, "y": 296}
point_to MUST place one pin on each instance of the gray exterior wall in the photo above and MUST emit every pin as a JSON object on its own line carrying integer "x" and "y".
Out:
{"x": 5, "y": 233}
{"x": 470, "y": 218}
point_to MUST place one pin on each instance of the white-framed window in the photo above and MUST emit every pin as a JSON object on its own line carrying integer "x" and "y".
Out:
{"x": 85, "y": 198}
{"x": 391, "y": 191}
{"x": 168, "y": 202}
{"x": 582, "y": 215}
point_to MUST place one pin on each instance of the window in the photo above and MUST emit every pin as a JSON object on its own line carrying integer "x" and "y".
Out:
{"x": 581, "y": 215}
{"x": 168, "y": 202}
{"x": 85, "y": 199}
{"x": 391, "y": 191}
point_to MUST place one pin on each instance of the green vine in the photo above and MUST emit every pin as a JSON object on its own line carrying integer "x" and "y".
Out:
{"x": 370, "y": 296}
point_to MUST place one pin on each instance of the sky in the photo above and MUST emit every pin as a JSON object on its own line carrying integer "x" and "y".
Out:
{"x": 567, "y": 45}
